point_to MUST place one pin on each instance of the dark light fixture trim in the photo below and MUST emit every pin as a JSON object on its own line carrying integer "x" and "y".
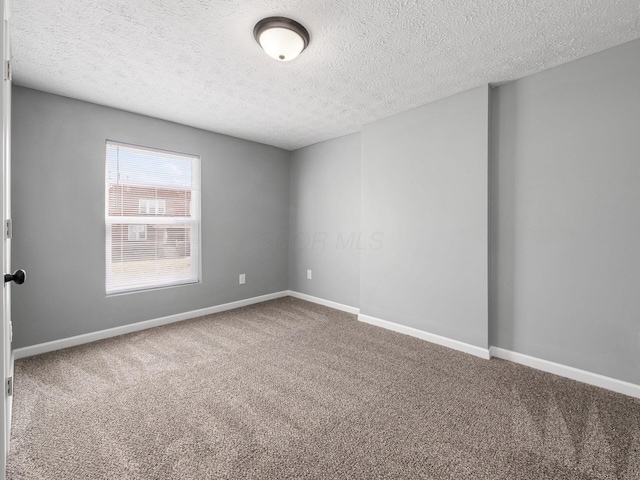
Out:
{"x": 281, "y": 22}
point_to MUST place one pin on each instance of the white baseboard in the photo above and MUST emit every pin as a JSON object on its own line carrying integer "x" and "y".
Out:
{"x": 326, "y": 303}
{"x": 135, "y": 327}
{"x": 583, "y": 376}
{"x": 572, "y": 373}
{"x": 429, "y": 337}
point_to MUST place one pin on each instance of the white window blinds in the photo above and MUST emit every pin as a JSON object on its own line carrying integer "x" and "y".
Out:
{"x": 152, "y": 218}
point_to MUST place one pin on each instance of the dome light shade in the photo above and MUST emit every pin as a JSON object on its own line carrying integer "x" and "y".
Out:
{"x": 281, "y": 38}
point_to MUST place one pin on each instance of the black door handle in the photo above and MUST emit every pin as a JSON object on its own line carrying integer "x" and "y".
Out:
{"x": 19, "y": 276}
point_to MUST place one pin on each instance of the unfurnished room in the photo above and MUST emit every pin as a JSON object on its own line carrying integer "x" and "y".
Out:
{"x": 321, "y": 239}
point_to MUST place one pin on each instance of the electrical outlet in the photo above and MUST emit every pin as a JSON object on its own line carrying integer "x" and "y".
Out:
{"x": 309, "y": 275}
{"x": 242, "y": 279}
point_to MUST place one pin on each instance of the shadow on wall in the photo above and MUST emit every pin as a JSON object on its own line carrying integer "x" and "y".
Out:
{"x": 502, "y": 187}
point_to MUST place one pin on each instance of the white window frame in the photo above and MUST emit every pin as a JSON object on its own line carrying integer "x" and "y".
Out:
{"x": 152, "y": 206}
{"x": 193, "y": 222}
{"x": 136, "y": 234}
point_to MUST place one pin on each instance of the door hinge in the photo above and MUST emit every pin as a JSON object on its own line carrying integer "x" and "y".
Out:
{"x": 10, "y": 386}
{"x": 8, "y": 75}
{"x": 8, "y": 230}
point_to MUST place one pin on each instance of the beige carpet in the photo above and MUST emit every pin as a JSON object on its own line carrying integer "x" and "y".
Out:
{"x": 289, "y": 389}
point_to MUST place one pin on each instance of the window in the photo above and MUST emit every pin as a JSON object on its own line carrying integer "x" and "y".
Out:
{"x": 152, "y": 218}
{"x": 152, "y": 206}
{"x": 137, "y": 232}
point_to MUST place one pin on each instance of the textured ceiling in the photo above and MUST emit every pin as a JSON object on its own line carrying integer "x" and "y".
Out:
{"x": 195, "y": 62}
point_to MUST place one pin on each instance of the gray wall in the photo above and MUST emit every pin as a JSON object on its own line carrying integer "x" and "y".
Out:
{"x": 325, "y": 220}
{"x": 565, "y": 221}
{"x": 564, "y": 231}
{"x": 58, "y": 210}
{"x": 425, "y": 194}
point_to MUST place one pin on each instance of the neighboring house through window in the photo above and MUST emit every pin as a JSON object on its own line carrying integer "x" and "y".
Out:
{"x": 152, "y": 218}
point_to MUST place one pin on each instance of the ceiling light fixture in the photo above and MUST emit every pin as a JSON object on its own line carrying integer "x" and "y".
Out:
{"x": 282, "y": 38}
